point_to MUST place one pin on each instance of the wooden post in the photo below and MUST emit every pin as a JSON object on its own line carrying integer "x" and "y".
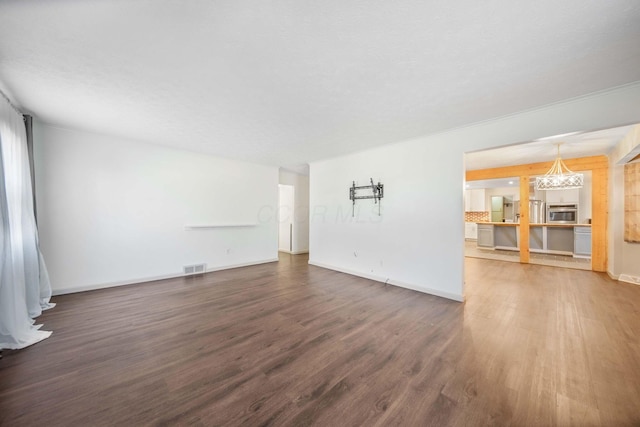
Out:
{"x": 599, "y": 211}
{"x": 524, "y": 219}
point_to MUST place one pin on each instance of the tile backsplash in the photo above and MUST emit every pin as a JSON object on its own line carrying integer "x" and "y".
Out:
{"x": 476, "y": 216}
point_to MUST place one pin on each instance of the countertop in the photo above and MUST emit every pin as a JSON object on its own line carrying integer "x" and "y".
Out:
{"x": 560, "y": 225}
{"x": 512, "y": 224}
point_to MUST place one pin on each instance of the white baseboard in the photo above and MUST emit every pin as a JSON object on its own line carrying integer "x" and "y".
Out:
{"x": 628, "y": 278}
{"x": 93, "y": 287}
{"x": 294, "y": 252}
{"x": 413, "y": 287}
{"x": 246, "y": 264}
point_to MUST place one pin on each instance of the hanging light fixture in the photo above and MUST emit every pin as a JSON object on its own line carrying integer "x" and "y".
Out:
{"x": 559, "y": 177}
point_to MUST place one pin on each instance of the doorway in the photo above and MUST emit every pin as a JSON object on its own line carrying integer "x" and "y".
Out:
{"x": 293, "y": 211}
{"x": 286, "y": 215}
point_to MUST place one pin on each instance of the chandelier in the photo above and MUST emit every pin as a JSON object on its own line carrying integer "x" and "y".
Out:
{"x": 559, "y": 177}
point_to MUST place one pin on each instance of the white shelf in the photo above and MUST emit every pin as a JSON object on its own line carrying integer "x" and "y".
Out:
{"x": 210, "y": 226}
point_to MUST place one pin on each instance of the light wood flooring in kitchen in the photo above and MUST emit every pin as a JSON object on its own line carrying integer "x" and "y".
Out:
{"x": 291, "y": 344}
{"x": 472, "y": 250}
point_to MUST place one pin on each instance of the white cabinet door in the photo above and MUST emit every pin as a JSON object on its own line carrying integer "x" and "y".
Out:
{"x": 477, "y": 200}
{"x": 563, "y": 196}
{"x": 474, "y": 200}
{"x": 470, "y": 230}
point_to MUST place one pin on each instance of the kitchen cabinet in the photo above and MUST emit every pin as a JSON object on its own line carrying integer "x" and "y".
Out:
{"x": 563, "y": 196}
{"x": 582, "y": 242}
{"x": 506, "y": 237}
{"x": 560, "y": 240}
{"x": 537, "y": 238}
{"x": 485, "y": 236}
{"x": 474, "y": 200}
{"x": 471, "y": 230}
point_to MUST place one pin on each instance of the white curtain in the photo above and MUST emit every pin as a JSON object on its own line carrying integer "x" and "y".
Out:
{"x": 24, "y": 284}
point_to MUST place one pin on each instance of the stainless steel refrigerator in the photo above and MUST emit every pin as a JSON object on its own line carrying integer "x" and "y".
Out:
{"x": 537, "y": 212}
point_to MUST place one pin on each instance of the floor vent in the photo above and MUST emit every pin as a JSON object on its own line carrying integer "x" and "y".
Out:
{"x": 194, "y": 269}
{"x": 629, "y": 279}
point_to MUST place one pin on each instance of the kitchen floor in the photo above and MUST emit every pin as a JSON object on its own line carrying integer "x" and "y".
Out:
{"x": 471, "y": 250}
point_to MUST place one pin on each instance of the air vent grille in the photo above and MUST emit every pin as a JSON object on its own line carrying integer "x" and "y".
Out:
{"x": 194, "y": 269}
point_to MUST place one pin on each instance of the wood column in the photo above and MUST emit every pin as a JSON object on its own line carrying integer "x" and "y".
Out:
{"x": 599, "y": 213}
{"x": 524, "y": 219}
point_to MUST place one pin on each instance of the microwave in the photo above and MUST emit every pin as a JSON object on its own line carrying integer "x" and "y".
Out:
{"x": 562, "y": 214}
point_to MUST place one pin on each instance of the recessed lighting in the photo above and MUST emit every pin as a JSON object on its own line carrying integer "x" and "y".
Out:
{"x": 510, "y": 182}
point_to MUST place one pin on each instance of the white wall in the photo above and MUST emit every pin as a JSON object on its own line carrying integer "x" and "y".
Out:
{"x": 418, "y": 242}
{"x": 112, "y": 211}
{"x": 411, "y": 243}
{"x": 585, "y": 199}
{"x": 623, "y": 256}
{"x": 301, "y": 209}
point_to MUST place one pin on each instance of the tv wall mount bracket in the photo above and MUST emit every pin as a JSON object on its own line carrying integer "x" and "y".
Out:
{"x": 372, "y": 191}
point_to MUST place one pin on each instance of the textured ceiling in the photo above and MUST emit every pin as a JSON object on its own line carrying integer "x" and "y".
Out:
{"x": 288, "y": 82}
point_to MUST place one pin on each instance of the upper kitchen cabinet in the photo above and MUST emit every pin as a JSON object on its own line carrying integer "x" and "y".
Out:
{"x": 563, "y": 196}
{"x": 474, "y": 200}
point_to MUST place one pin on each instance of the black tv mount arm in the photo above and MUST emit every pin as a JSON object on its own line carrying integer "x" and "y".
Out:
{"x": 377, "y": 193}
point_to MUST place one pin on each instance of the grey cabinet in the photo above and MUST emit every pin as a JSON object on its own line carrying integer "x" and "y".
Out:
{"x": 485, "y": 236}
{"x": 506, "y": 236}
{"x": 560, "y": 239}
{"x": 582, "y": 242}
{"x": 537, "y": 238}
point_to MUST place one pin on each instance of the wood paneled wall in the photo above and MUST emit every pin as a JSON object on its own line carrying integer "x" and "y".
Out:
{"x": 599, "y": 167}
{"x": 632, "y": 203}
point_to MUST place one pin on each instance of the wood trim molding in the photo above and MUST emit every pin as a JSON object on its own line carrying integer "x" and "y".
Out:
{"x": 576, "y": 165}
{"x": 632, "y": 203}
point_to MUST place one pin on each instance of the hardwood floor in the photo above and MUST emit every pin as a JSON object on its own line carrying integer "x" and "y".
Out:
{"x": 291, "y": 344}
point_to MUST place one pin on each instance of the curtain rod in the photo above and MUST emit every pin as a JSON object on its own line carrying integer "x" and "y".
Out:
{"x": 4, "y": 95}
